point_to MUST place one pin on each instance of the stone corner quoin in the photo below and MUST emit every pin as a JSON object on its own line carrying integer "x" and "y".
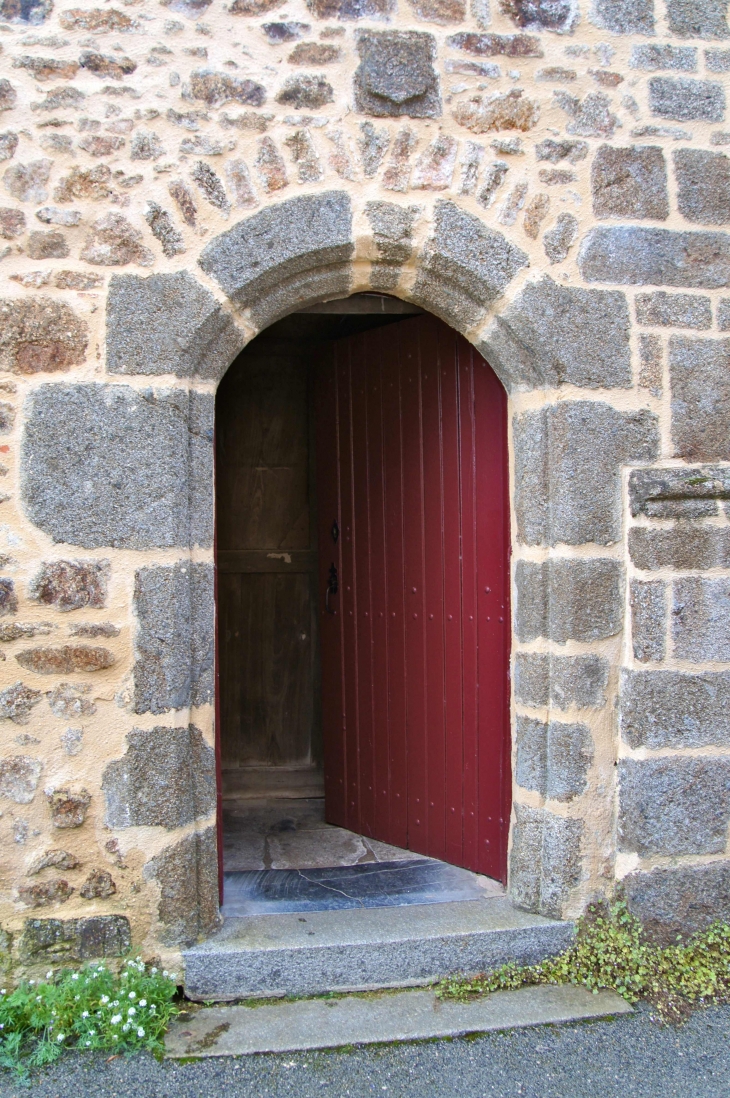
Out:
{"x": 550, "y": 179}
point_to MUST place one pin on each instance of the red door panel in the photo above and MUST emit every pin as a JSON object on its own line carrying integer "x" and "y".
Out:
{"x": 414, "y": 534}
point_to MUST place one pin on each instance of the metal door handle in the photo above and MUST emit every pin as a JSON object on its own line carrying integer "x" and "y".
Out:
{"x": 332, "y": 587}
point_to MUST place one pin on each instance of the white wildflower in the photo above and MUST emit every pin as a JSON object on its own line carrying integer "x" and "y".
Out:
{"x": 152, "y": 970}
{"x": 131, "y": 1012}
{"x": 61, "y": 1037}
{"x": 84, "y": 1014}
{"x": 74, "y": 976}
{"x": 132, "y": 995}
{"x": 104, "y": 999}
{"x": 125, "y": 1027}
{"x": 49, "y": 973}
{"x": 143, "y": 1002}
{"x": 140, "y": 1032}
{"x": 116, "y": 1019}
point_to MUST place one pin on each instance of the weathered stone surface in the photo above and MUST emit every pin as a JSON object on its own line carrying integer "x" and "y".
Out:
{"x": 71, "y": 584}
{"x": 684, "y": 546}
{"x": 69, "y": 701}
{"x": 700, "y": 380}
{"x": 485, "y": 113}
{"x": 565, "y": 149}
{"x": 568, "y": 599}
{"x": 54, "y": 859}
{"x": 552, "y": 757}
{"x": 674, "y": 310}
{"x": 440, "y": 11}
{"x": 638, "y": 256}
{"x": 687, "y": 100}
{"x": 701, "y": 619}
{"x": 211, "y": 186}
{"x": 544, "y": 860}
{"x": 552, "y": 335}
{"x": 59, "y": 940}
{"x": 239, "y": 184}
{"x": 8, "y": 95}
{"x": 396, "y": 74}
{"x": 187, "y": 874}
{"x": 561, "y": 238}
{"x": 591, "y": 116}
{"x": 33, "y": 12}
{"x": 670, "y": 709}
{"x": 314, "y": 53}
{"x": 47, "y": 68}
{"x": 8, "y": 597}
{"x": 99, "y": 885}
{"x": 648, "y": 619}
{"x": 95, "y": 19}
{"x": 294, "y": 253}
{"x": 8, "y": 145}
{"x": 679, "y": 901}
{"x": 114, "y": 242}
{"x": 304, "y": 154}
{"x": 12, "y": 223}
{"x": 553, "y": 15}
{"x": 556, "y": 177}
{"x": 285, "y": 32}
{"x": 373, "y": 145}
{"x": 306, "y": 92}
{"x": 182, "y": 194}
{"x": 19, "y": 629}
{"x": 654, "y": 58}
{"x": 678, "y": 493}
{"x": 568, "y": 460}
{"x": 65, "y": 660}
{"x": 174, "y": 643}
{"x": 68, "y": 808}
{"x": 392, "y": 228}
{"x": 688, "y": 19}
{"x": 630, "y": 182}
{"x": 27, "y": 182}
{"x": 535, "y": 213}
{"x": 397, "y": 175}
{"x": 543, "y": 679}
{"x": 144, "y": 458}
{"x": 270, "y": 166}
{"x": 17, "y": 701}
{"x": 165, "y": 779}
{"x": 45, "y": 894}
{"x": 703, "y": 181}
{"x": 168, "y": 324}
{"x": 47, "y": 245}
{"x": 40, "y": 335}
{"x": 465, "y": 265}
{"x": 96, "y": 144}
{"x": 671, "y": 806}
{"x": 19, "y": 777}
{"x": 72, "y": 740}
{"x": 350, "y": 9}
{"x": 105, "y": 66}
{"x": 717, "y": 60}
{"x": 434, "y": 168}
{"x": 496, "y": 45}
{"x": 162, "y": 227}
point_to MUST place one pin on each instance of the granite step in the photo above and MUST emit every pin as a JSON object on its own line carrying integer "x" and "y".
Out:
{"x": 358, "y": 950}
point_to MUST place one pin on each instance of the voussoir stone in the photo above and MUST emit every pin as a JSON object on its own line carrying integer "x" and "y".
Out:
{"x": 111, "y": 465}
{"x": 544, "y": 862}
{"x": 699, "y": 371}
{"x": 701, "y": 618}
{"x": 673, "y": 709}
{"x": 639, "y": 256}
{"x": 285, "y": 257}
{"x": 165, "y": 779}
{"x": 569, "y": 599}
{"x": 552, "y": 757}
{"x": 623, "y": 16}
{"x": 168, "y": 324}
{"x": 630, "y": 182}
{"x": 670, "y": 806}
{"x": 392, "y": 227}
{"x": 678, "y": 492}
{"x": 464, "y": 266}
{"x": 187, "y": 874}
{"x": 175, "y": 637}
{"x": 703, "y": 182}
{"x": 568, "y": 460}
{"x": 679, "y": 901}
{"x": 396, "y": 74}
{"x": 552, "y": 335}
{"x": 542, "y": 679}
{"x": 55, "y": 940}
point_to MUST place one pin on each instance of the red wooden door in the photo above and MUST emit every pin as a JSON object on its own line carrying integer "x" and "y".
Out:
{"x": 412, "y": 501}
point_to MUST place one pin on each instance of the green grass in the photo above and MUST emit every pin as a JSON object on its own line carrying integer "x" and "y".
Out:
{"x": 611, "y": 950}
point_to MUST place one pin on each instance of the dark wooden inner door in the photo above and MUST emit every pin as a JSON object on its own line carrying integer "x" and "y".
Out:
{"x": 413, "y": 524}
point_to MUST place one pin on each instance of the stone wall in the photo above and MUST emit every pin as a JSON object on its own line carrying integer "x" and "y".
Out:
{"x": 546, "y": 175}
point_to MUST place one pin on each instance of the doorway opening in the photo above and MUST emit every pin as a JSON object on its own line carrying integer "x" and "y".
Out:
{"x": 363, "y": 621}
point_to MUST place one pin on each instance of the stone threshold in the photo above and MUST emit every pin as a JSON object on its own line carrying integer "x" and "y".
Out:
{"x": 309, "y": 1024}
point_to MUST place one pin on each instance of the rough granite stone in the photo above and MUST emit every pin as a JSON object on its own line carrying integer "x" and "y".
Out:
{"x": 717, "y": 60}
{"x": 17, "y": 701}
{"x": 114, "y": 242}
{"x": 68, "y": 808}
{"x": 497, "y": 111}
{"x": 162, "y": 227}
{"x": 630, "y": 182}
{"x": 568, "y": 460}
{"x": 51, "y": 245}
{"x": 217, "y": 88}
{"x": 700, "y": 379}
{"x": 305, "y": 92}
{"x": 648, "y": 619}
{"x": 346, "y": 9}
{"x": 552, "y": 335}
{"x": 71, "y": 584}
{"x": 559, "y": 16}
{"x": 145, "y": 458}
{"x": 373, "y": 145}
{"x": 19, "y": 777}
{"x": 684, "y": 546}
{"x": 465, "y": 265}
{"x": 623, "y": 16}
{"x": 674, "y": 310}
{"x": 544, "y": 860}
{"x": 543, "y": 679}
{"x": 168, "y": 324}
{"x": 566, "y": 599}
{"x": 639, "y": 256}
{"x": 679, "y": 901}
{"x": 552, "y": 758}
{"x": 392, "y": 228}
{"x": 396, "y": 75}
{"x": 99, "y": 885}
{"x": 54, "y": 859}
{"x": 68, "y": 701}
{"x": 165, "y": 779}
{"x": 59, "y": 940}
{"x": 174, "y": 644}
{"x": 686, "y": 100}
{"x": 701, "y": 619}
{"x": 679, "y": 492}
{"x": 670, "y": 806}
{"x": 496, "y": 45}
{"x": 187, "y": 874}
{"x": 591, "y": 116}
{"x": 671, "y": 709}
{"x": 45, "y": 893}
{"x": 654, "y": 58}
{"x": 561, "y": 238}
{"x": 693, "y": 19}
{"x": 66, "y": 660}
{"x": 565, "y": 149}
{"x": 703, "y": 183}
{"x": 287, "y": 256}
{"x": 40, "y": 335}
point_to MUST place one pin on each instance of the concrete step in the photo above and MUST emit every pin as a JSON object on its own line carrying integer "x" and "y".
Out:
{"x": 276, "y": 955}
{"x": 396, "y": 1016}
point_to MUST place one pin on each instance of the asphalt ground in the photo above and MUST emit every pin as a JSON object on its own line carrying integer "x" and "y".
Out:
{"x": 621, "y": 1058}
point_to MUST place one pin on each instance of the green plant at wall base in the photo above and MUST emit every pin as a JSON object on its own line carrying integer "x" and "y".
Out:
{"x": 92, "y": 1008}
{"x": 611, "y": 950}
